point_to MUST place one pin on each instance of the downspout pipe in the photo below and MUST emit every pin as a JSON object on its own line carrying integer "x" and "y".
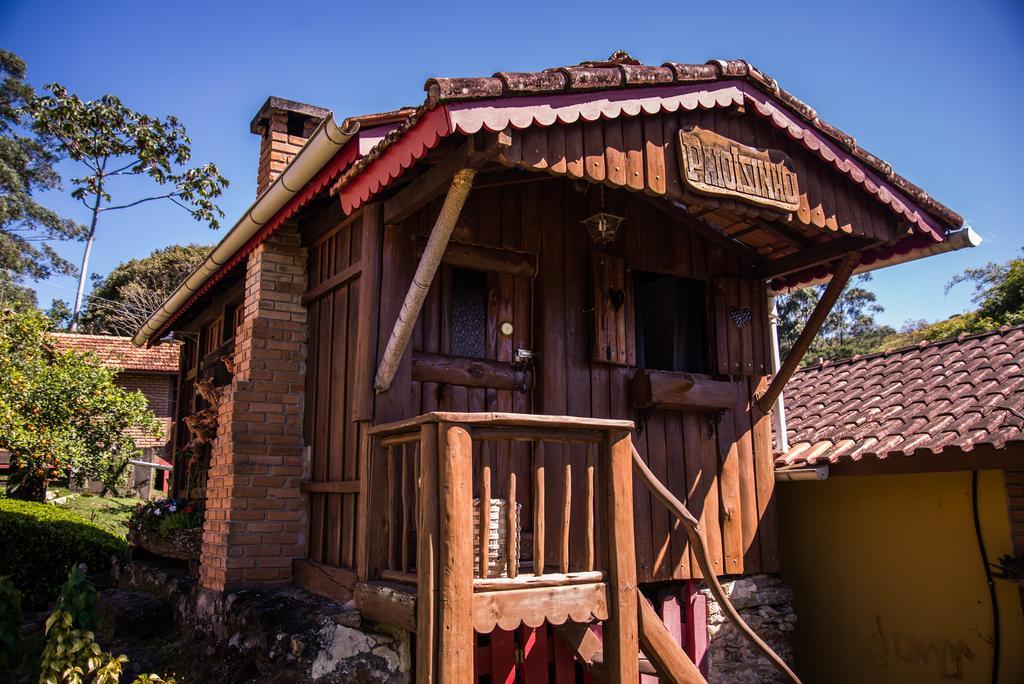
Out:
{"x": 779, "y": 410}
{"x": 437, "y": 243}
{"x": 321, "y": 147}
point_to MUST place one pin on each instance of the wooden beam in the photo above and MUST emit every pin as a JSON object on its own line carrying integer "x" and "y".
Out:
{"x": 333, "y": 583}
{"x": 472, "y": 154}
{"x": 336, "y": 280}
{"x": 536, "y": 581}
{"x": 361, "y": 388}
{"x": 680, "y": 391}
{"x": 488, "y": 259}
{"x": 809, "y": 257}
{"x": 657, "y": 643}
{"x": 460, "y": 370}
{"x": 679, "y": 212}
{"x": 390, "y": 604}
{"x": 841, "y": 275}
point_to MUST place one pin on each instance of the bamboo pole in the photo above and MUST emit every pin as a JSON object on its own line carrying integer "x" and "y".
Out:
{"x": 425, "y": 272}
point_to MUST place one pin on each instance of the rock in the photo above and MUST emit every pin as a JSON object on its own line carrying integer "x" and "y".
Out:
{"x": 766, "y": 604}
{"x": 281, "y": 635}
{"x": 134, "y": 614}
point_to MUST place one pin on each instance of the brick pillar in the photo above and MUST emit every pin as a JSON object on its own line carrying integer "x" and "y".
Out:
{"x": 255, "y": 513}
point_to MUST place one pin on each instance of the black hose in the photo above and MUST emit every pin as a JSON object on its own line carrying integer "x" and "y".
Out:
{"x": 988, "y": 578}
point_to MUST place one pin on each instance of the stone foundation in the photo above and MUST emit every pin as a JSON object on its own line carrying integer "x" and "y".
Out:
{"x": 279, "y": 634}
{"x": 766, "y": 604}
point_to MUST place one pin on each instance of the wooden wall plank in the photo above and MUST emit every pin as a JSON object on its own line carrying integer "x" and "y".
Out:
{"x": 764, "y": 468}
{"x": 543, "y": 219}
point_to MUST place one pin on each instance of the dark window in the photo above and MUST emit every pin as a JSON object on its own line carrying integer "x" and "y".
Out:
{"x": 671, "y": 323}
{"x": 296, "y": 124}
{"x": 468, "y": 323}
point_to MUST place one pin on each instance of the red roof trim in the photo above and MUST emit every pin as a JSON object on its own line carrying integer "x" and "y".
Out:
{"x": 868, "y": 257}
{"x": 494, "y": 115}
{"x": 844, "y": 162}
{"x": 398, "y": 156}
{"x": 342, "y": 159}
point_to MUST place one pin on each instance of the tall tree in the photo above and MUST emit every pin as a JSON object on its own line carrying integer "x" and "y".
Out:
{"x": 122, "y": 301}
{"x": 27, "y": 161}
{"x": 849, "y": 329}
{"x": 111, "y": 141}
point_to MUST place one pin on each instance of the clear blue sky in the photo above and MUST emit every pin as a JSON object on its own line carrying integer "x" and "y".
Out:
{"x": 935, "y": 88}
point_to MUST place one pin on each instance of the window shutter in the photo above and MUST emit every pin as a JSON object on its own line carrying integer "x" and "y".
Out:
{"x": 612, "y": 304}
{"x": 741, "y": 326}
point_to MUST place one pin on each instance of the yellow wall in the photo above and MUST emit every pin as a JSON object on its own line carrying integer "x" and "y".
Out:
{"x": 889, "y": 583}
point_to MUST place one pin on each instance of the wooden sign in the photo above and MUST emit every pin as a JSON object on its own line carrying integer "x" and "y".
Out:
{"x": 712, "y": 164}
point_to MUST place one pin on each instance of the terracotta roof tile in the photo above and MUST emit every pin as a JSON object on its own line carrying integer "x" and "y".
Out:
{"x": 921, "y": 399}
{"x": 119, "y": 352}
{"x": 622, "y": 71}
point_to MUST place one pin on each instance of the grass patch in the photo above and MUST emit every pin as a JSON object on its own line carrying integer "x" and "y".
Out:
{"x": 108, "y": 512}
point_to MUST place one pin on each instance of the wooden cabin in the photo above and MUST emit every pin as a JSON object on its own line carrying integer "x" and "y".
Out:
{"x": 497, "y": 296}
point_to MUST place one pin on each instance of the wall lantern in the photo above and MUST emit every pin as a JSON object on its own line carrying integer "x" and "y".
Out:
{"x": 602, "y": 227}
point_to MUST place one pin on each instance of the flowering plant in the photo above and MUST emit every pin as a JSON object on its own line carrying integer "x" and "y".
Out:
{"x": 162, "y": 516}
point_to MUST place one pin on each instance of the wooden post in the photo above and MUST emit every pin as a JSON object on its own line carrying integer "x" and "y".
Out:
{"x": 620, "y": 630}
{"x": 538, "y": 508}
{"x": 455, "y": 646}
{"x": 426, "y": 557}
{"x": 484, "y": 538}
{"x": 821, "y": 310}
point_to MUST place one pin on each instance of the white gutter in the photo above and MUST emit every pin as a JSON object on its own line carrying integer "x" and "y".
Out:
{"x": 962, "y": 239}
{"x": 321, "y": 147}
{"x": 812, "y": 473}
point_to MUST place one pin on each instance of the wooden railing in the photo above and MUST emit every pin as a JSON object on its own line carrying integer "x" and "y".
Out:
{"x": 426, "y": 466}
{"x": 418, "y": 484}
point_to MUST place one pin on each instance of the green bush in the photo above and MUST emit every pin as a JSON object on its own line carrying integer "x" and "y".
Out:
{"x": 43, "y": 542}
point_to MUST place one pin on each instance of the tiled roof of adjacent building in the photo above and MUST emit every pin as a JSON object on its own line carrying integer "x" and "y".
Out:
{"x": 957, "y": 393}
{"x": 121, "y": 353}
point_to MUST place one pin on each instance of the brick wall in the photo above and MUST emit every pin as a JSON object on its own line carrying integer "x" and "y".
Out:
{"x": 157, "y": 390}
{"x": 255, "y": 513}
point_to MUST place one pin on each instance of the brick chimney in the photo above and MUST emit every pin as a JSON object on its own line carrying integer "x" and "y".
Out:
{"x": 284, "y": 127}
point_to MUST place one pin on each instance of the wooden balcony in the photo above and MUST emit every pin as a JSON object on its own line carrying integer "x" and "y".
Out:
{"x": 429, "y": 566}
{"x": 420, "y": 531}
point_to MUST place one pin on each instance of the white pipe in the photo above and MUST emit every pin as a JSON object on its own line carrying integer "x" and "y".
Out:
{"x": 321, "y": 147}
{"x": 964, "y": 238}
{"x": 149, "y": 464}
{"x": 779, "y": 411}
{"x": 817, "y": 473}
